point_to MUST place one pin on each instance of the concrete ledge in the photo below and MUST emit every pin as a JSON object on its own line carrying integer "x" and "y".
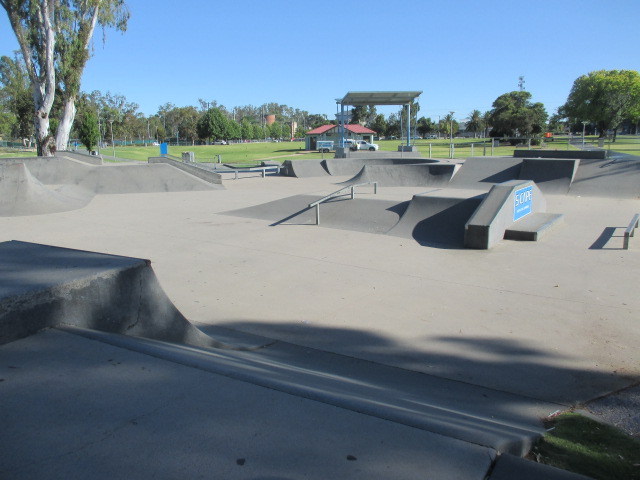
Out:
{"x": 533, "y": 227}
{"x": 498, "y": 211}
{"x": 81, "y": 157}
{"x": 202, "y": 174}
{"x": 43, "y": 286}
{"x": 580, "y": 154}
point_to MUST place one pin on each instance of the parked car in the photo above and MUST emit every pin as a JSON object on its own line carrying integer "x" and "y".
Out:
{"x": 364, "y": 145}
{"x": 220, "y": 142}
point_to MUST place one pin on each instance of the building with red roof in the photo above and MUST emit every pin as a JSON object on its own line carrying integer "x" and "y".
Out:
{"x": 330, "y": 132}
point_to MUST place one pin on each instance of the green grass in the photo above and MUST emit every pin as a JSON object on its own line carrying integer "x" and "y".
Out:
{"x": 235, "y": 153}
{"x": 250, "y": 153}
{"x": 13, "y": 152}
{"x": 581, "y": 445}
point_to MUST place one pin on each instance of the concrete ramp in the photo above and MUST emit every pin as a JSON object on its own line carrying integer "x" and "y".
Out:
{"x": 570, "y": 154}
{"x": 353, "y": 165}
{"x": 304, "y": 168}
{"x": 43, "y": 286}
{"x": 551, "y": 175}
{"x": 613, "y": 178}
{"x": 420, "y": 175}
{"x": 22, "y": 194}
{"x": 112, "y": 178}
{"x": 437, "y": 218}
{"x": 367, "y": 215}
{"x": 481, "y": 173}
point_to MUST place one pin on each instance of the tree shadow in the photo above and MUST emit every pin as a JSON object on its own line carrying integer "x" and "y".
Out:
{"x": 517, "y": 367}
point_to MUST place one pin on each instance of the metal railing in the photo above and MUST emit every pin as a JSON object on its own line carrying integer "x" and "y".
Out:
{"x": 264, "y": 170}
{"x": 629, "y": 232}
{"x": 338, "y": 193}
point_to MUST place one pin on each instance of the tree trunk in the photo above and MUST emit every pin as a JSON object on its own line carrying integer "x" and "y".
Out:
{"x": 44, "y": 143}
{"x": 66, "y": 122}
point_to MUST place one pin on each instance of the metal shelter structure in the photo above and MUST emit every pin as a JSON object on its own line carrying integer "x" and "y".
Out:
{"x": 355, "y": 99}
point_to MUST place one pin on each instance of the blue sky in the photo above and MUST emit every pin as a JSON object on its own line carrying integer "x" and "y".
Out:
{"x": 461, "y": 54}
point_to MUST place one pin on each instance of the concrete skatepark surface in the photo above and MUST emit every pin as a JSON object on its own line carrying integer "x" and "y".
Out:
{"x": 542, "y": 325}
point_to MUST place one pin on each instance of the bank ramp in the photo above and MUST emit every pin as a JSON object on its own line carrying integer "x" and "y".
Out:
{"x": 43, "y": 286}
{"x": 437, "y": 218}
{"x": 118, "y": 301}
{"x": 402, "y": 175}
{"x": 43, "y": 185}
{"x": 23, "y": 194}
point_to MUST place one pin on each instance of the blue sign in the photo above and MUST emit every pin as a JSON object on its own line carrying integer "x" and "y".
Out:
{"x": 522, "y": 199}
{"x": 164, "y": 149}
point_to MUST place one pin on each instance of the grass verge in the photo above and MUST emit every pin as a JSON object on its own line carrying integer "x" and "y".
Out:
{"x": 251, "y": 153}
{"x": 581, "y": 445}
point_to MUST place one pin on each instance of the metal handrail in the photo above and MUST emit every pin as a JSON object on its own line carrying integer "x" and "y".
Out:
{"x": 337, "y": 194}
{"x": 629, "y": 232}
{"x": 252, "y": 169}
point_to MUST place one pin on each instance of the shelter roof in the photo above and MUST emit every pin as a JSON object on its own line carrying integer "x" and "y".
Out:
{"x": 320, "y": 130}
{"x": 379, "y": 98}
{"x": 353, "y": 128}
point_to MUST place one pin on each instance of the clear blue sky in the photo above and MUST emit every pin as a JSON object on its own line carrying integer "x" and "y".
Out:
{"x": 461, "y": 54}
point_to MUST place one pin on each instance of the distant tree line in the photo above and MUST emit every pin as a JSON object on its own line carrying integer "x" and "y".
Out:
{"x": 601, "y": 100}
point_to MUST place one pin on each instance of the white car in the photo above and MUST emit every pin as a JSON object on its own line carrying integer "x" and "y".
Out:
{"x": 364, "y": 145}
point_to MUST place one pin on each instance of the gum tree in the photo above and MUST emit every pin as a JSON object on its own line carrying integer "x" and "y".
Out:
{"x": 33, "y": 23}
{"x": 54, "y": 38}
{"x": 76, "y": 21}
{"x": 514, "y": 115}
{"x": 88, "y": 130}
{"x": 16, "y": 97}
{"x": 604, "y": 97}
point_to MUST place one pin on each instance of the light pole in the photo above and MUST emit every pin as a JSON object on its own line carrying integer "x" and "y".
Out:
{"x": 113, "y": 145}
{"x": 99, "y": 133}
{"x": 584, "y": 126}
{"x": 451, "y": 124}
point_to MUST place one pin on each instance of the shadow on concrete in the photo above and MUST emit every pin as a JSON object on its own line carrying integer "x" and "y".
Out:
{"x": 507, "y": 174}
{"x": 446, "y": 229}
{"x": 84, "y": 409}
{"x": 516, "y": 367}
{"x": 602, "y": 241}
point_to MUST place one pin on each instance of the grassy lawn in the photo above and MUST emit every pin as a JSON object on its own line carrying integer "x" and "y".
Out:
{"x": 251, "y": 153}
{"x": 234, "y": 153}
{"x": 581, "y": 445}
{"x": 13, "y": 152}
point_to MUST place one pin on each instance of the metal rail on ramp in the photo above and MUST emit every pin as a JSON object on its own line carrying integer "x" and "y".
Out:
{"x": 338, "y": 193}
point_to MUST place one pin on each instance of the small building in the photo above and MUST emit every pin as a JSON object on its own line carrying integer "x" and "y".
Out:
{"x": 330, "y": 132}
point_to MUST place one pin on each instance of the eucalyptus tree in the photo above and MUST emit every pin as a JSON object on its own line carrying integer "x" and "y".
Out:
{"x": 246, "y": 129}
{"x": 514, "y": 115}
{"x": 604, "y": 97}
{"x": 76, "y": 21}
{"x": 425, "y": 126}
{"x": 88, "y": 130}
{"x": 33, "y": 23}
{"x": 213, "y": 124}
{"x": 15, "y": 98}
{"x": 54, "y": 38}
{"x": 379, "y": 125}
